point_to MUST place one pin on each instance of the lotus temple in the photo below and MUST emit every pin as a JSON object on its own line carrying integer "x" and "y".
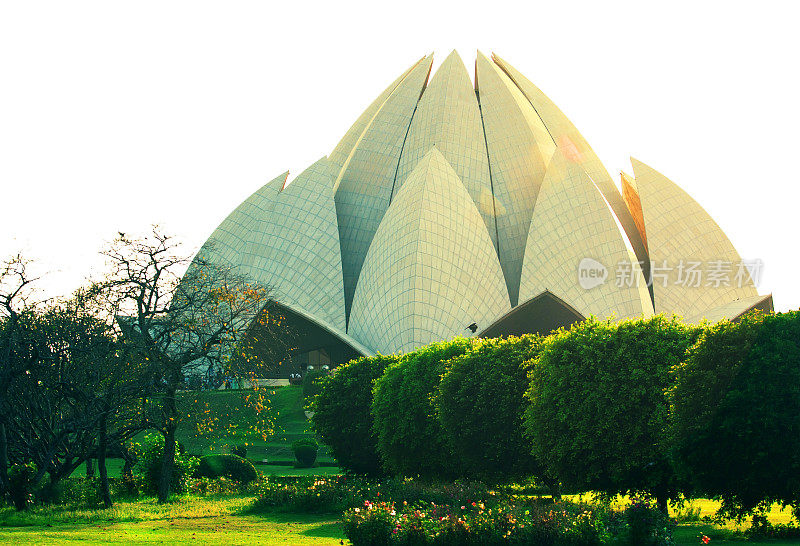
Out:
{"x": 458, "y": 209}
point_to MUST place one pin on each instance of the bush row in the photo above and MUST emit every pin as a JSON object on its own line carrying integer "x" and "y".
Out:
{"x": 649, "y": 406}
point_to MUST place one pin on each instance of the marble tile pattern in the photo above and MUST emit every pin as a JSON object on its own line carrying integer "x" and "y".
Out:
{"x": 432, "y": 269}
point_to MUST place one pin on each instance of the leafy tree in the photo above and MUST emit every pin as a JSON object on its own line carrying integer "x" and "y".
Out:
{"x": 410, "y": 438}
{"x": 342, "y": 415}
{"x": 481, "y": 403}
{"x": 61, "y": 411}
{"x": 735, "y": 414}
{"x": 598, "y": 413}
{"x": 18, "y": 352}
{"x": 183, "y": 324}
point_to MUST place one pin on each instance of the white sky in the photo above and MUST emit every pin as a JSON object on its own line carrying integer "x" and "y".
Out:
{"x": 117, "y": 115}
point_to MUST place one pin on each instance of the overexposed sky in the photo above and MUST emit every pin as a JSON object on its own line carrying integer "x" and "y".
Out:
{"x": 118, "y": 115}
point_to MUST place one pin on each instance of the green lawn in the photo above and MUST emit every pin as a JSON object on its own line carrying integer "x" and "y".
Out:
{"x": 205, "y": 521}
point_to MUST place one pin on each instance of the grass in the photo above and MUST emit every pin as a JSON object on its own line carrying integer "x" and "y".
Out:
{"x": 242, "y": 530}
{"x": 234, "y": 421}
{"x": 296, "y": 529}
{"x": 212, "y": 520}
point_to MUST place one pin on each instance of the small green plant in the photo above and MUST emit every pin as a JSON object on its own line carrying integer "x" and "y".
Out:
{"x": 305, "y": 451}
{"x": 20, "y": 478}
{"x": 687, "y": 514}
{"x": 647, "y": 525}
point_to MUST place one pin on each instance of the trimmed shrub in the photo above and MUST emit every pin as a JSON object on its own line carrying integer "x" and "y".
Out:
{"x": 410, "y": 439}
{"x": 598, "y": 412}
{"x": 226, "y": 466}
{"x": 150, "y": 454}
{"x": 342, "y": 416}
{"x": 481, "y": 403}
{"x": 218, "y": 487}
{"x": 736, "y": 412}
{"x": 335, "y": 494}
{"x": 305, "y": 451}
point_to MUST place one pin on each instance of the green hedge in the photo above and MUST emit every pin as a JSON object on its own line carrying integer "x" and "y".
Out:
{"x": 480, "y": 404}
{"x": 598, "y": 412}
{"x": 736, "y": 412}
{"x": 410, "y": 439}
{"x": 342, "y": 416}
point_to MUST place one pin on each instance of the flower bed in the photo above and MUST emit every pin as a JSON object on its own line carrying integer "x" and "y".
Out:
{"x": 389, "y": 523}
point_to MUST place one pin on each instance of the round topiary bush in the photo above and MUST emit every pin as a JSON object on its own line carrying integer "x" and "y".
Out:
{"x": 342, "y": 416}
{"x": 229, "y": 466}
{"x": 305, "y": 451}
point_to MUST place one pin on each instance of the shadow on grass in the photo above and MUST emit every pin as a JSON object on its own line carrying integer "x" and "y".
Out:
{"x": 328, "y": 524}
{"x": 326, "y": 530}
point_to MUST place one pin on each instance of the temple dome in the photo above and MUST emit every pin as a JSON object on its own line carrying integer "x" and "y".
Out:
{"x": 450, "y": 207}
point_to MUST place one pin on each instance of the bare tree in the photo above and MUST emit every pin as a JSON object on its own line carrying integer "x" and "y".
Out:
{"x": 180, "y": 324}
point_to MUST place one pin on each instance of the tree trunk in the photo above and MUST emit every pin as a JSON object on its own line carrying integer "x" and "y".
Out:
{"x": 661, "y": 501}
{"x": 3, "y": 462}
{"x": 168, "y": 463}
{"x": 555, "y": 489}
{"x": 127, "y": 469}
{"x": 105, "y": 491}
{"x": 89, "y": 467}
